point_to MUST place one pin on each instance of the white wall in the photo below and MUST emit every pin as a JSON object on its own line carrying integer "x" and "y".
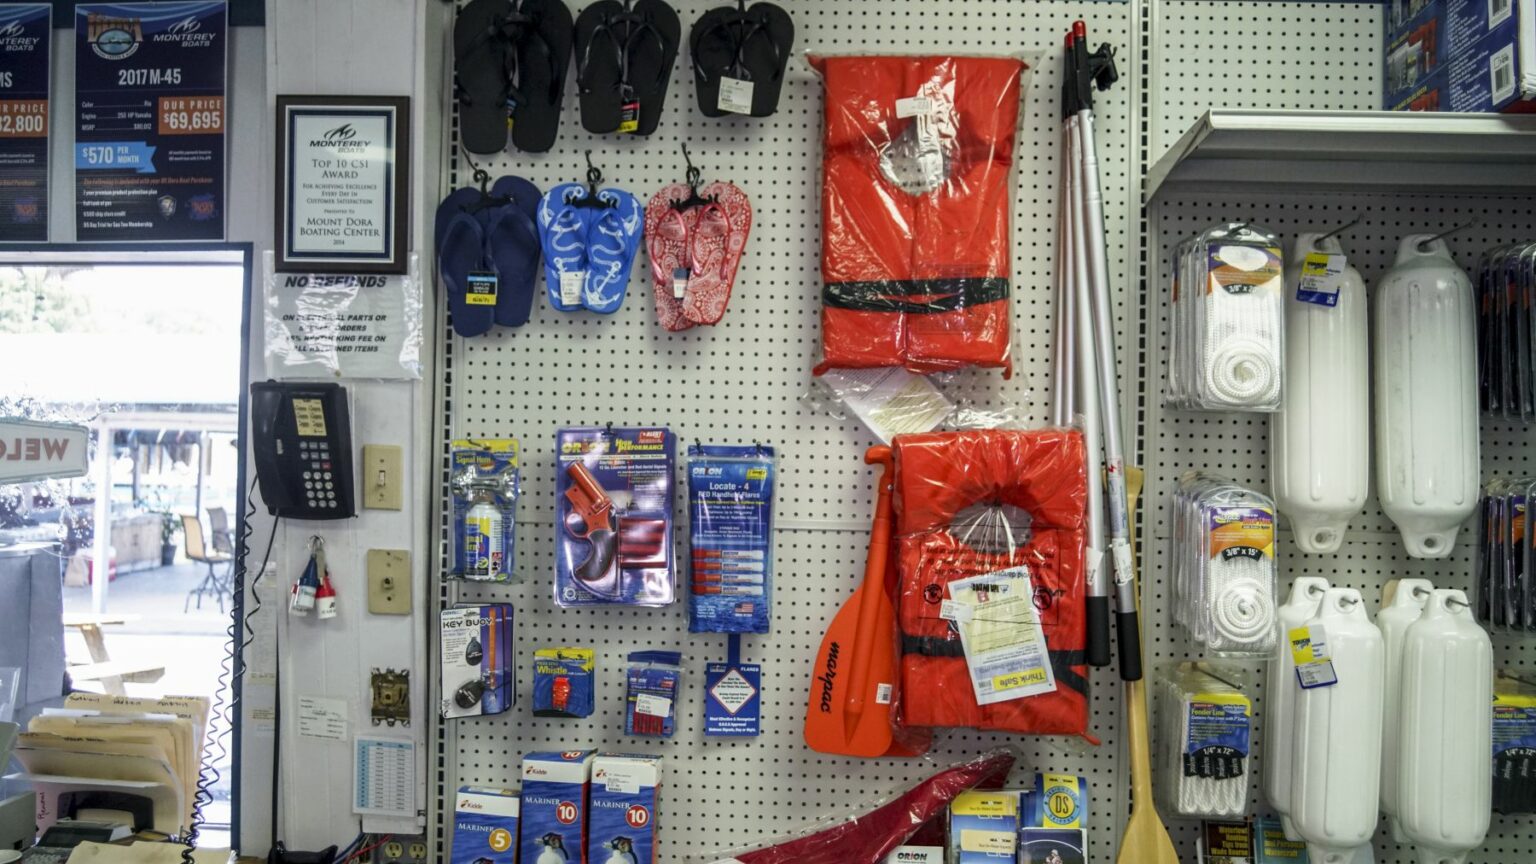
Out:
{"x": 346, "y": 47}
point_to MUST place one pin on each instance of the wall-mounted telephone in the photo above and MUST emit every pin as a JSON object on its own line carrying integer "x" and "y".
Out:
{"x": 302, "y": 436}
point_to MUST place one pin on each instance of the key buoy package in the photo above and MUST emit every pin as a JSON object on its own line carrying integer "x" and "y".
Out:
{"x": 990, "y": 528}
{"x": 485, "y": 492}
{"x": 1227, "y": 321}
{"x": 730, "y": 538}
{"x": 1206, "y": 732}
{"x": 613, "y": 514}
{"x": 1225, "y": 574}
{"x": 917, "y": 186}
{"x": 476, "y": 657}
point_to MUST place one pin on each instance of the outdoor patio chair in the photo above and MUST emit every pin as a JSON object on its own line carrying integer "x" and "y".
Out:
{"x": 214, "y": 583}
{"x": 218, "y": 529}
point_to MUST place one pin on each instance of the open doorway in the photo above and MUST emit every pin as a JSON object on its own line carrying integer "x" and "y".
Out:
{"x": 146, "y": 349}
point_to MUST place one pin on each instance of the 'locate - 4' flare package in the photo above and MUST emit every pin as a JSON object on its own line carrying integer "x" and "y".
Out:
{"x": 613, "y": 498}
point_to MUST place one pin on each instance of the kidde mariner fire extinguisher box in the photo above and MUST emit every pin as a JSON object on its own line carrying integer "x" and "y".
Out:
{"x": 554, "y": 811}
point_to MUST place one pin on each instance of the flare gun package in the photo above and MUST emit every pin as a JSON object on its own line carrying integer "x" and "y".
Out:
{"x": 614, "y": 513}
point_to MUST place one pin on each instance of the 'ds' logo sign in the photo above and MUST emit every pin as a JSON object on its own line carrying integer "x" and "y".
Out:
{"x": 185, "y": 25}
{"x": 344, "y": 132}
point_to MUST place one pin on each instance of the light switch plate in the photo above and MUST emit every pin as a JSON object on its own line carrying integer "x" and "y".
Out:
{"x": 389, "y": 581}
{"x": 381, "y": 477}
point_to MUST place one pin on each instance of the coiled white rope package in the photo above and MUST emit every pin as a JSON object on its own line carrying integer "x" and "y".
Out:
{"x": 1205, "y": 732}
{"x": 1228, "y": 321}
{"x": 1225, "y": 573}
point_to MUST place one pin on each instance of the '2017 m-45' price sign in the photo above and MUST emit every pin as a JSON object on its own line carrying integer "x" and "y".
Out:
{"x": 149, "y": 125}
{"x": 24, "y": 39}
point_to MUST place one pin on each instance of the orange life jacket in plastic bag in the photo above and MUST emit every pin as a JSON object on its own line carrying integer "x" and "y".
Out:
{"x": 974, "y": 502}
{"x": 915, "y": 211}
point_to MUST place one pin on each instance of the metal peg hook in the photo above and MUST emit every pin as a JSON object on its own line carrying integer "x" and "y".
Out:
{"x": 1428, "y": 241}
{"x": 316, "y": 544}
{"x": 594, "y": 176}
{"x": 1346, "y": 226}
{"x": 1205, "y": 669}
{"x": 481, "y": 176}
{"x": 693, "y": 174}
{"x": 1452, "y": 601}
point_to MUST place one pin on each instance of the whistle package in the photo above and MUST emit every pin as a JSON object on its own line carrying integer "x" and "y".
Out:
{"x": 563, "y": 682}
{"x": 730, "y": 538}
{"x": 652, "y": 683}
{"x": 613, "y": 514}
{"x": 485, "y": 491}
{"x": 476, "y": 654}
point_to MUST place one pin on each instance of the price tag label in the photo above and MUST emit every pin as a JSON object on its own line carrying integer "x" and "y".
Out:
{"x": 1314, "y": 663}
{"x": 1321, "y": 275}
{"x": 481, "y": 289}
{"x": 735, "y": 96}
{"x": 914, "y": 106}
{"x": 191, "y": 115}
{"x": 571, "y": 283}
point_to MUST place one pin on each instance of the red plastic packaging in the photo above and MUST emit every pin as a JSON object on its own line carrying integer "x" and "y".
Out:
{"x": 915, "y": 211}
{"x": 974, "y": 502}
{"x": 868, "y": 837}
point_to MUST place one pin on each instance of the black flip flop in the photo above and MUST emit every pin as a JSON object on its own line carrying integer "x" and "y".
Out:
{"x": 599, "y": 66}
{"x": 650, "y": 59}
{"x": 712, "y": 48}
{"x": 481, "y": 49}
{"x": 763, "y": 54}
{"x": 542, "y": 55}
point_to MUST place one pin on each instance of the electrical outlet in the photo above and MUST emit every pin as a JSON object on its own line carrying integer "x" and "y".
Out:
{"x": 381, "y": 477}
{"x": 401, "y": 849}
{"x": 389, "y": 581}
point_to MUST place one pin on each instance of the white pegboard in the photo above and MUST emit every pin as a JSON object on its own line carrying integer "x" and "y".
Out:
{"x": 741, "y": 382}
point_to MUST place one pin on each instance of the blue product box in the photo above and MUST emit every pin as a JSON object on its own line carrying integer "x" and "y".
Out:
{"x": 1484, "y": 61}
{"x": 613, "y": 516}
{"x": 554, "y": 808}
{"x": 1414, "y": 49}
{"x": 476, "y": 660}
{"x": 622, "y": 817}
{"x": 485, "y": 826}
{"x": 730, "y": 539}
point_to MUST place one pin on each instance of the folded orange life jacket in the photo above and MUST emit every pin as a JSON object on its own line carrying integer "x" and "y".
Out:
{"x": 974, "y": 502}
{"x": 915, "y": 211}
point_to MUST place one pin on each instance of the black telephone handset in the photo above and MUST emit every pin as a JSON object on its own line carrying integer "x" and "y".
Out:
{"x": 302, "y": 436}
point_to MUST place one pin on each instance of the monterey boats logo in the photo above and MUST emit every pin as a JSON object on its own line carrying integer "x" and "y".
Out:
{"x": 341, "y": 138}
{"x": 188, "y": 31}
{"x": 13, "y": 38}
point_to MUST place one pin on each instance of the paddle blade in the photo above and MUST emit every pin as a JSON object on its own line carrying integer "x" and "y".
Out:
{"x": 827, "y": 729}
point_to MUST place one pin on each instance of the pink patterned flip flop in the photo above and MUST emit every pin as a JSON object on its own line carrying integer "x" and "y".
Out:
{"x": 667, "y": 230}
{"x": 715, "y": 247}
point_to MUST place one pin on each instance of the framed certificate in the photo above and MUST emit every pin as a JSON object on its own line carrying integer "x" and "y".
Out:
{"x": 342, "y": 183}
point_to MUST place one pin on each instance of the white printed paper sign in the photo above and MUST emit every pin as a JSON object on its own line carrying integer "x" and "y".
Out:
{"x": 343, "y": 326}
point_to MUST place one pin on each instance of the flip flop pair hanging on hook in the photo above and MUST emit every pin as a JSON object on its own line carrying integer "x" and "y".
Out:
{"x": 589, "y": 236}
{"x": 695, "y": 237}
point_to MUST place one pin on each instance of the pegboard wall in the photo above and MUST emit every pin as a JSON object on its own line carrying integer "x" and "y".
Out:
{"x": 741, "y": 381}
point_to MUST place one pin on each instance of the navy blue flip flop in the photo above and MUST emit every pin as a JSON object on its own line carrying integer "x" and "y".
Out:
{"x": 512, "y": 249}
{"x": 461, "y": 253}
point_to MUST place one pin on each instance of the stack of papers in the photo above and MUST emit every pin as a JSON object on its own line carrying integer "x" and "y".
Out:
{"x": 146, "y": 747}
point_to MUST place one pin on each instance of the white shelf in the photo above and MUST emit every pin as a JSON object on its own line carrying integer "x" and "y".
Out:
{"x": 1350, "y": 150}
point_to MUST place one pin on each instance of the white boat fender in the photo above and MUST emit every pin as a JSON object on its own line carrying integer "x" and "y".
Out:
{"x": 1336, "y": 763}
{"x": 1402, "y": 602}
{"x": 1280, "y": 702}
{"x": 1446, "y": 749}
{"x": 1426, "y": 396}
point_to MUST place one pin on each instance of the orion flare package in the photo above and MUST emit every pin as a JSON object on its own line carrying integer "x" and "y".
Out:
{"x": 485, "y": 490}
{"x": 614, "y": 517}
{"x": 730, "y": 508}
{"x": 477, "y": 660}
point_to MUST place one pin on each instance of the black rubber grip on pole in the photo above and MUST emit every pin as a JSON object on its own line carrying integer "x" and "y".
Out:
{"x": 1128, "y": 625}
{"x": 1098, "y": 631}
